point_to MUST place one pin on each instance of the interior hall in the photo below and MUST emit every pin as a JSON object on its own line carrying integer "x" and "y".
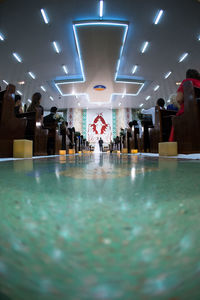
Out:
{"x": 99, "y": 150}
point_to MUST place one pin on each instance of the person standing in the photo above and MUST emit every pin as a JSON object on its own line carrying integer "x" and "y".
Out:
{"x": 101, "y": 145}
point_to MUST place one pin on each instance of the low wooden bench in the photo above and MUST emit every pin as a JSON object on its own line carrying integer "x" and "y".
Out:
{"x": 54, "y": 142}
{"x": 36, "y": 132}
{"x": 160, "y": 132}
{"x": 187, "y": 125}
{"x": 11, "y": 128}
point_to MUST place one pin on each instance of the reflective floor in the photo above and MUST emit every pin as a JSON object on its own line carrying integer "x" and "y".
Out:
{"x": 100, "y": 227}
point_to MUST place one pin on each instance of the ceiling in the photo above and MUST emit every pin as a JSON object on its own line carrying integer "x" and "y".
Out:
{"x": 98, "y": 53}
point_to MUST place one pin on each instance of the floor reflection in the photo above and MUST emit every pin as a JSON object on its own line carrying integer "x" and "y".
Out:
{"x": 99, "y": 227}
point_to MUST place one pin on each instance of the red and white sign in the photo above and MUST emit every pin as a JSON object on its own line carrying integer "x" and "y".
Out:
{"x": 99, "y": 124}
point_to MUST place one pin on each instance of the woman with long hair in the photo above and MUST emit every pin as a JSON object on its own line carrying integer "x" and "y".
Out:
{"x": 36, "y": 98}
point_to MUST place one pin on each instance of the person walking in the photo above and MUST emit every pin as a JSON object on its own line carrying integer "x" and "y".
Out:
{"x": 101, "y": 145}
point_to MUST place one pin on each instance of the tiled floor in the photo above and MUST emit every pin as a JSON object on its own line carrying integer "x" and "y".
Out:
{"x": 100, "y": 227}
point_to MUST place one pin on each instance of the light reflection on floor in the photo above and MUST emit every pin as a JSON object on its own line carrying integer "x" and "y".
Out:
{"x": 99, "y": 227}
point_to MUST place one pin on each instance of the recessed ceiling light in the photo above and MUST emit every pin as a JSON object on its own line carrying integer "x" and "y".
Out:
{"x": 120, "y": 104}
{"x": 101, "y": 9}
{"x": 183, "y": 57}
{"x": 20, "y": 93}
{"x": 56, "y": 47}
{"x": 45, "y": 16}
{"x": 158, "y": 16}
{"x": 168, "y": 101}
{"x": 5, "y": 81}
{"x": 31, "y": 74}
{"x": 79, "y": 104}
{"x": 148, "y": 97}
{"x": 51, "y": 98}
{"x": 144, "y": 47}
{"x": 17, "y": 57}
{"x": 141, "y": 104}
{"x": 199, "y": 38}
{"x": 2, "y": 38}
{"x": 65, "y": 69}
{"x": 168, "y": 74}
{"x": 21, "y": 82}
{"x": 134, "y": 69}
{"x": 178, "y": 83}
{"x": 156, "y": 88}
{"x": 43, "y": 88}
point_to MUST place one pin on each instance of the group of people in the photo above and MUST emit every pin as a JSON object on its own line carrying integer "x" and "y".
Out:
{"x": 35, "y": 103}
{"x": 176, "y": 100}
{"x": 34, "y": 106}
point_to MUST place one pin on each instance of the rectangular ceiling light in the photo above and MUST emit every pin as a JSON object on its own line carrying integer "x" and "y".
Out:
{"x": 1, "y": 37}
{"x": 5, "y": 81}
{"x": 43, "y": 88}
{"x": 45, "y": 16}
{"x": 156, "y": 88}
{"x": 65, "y": 69}
{"x": 20, "y": 93}
{"x": 148, "y": 97}
{"x": 141, "y": 104}
{"x": 144, "y": 48}
{"x": 31, "y": 75}
{"x": 29, "y": 100}
{"x": 158, "y": 17}
{"x": 168, "y": 74}
{"x": 51, "y": 98}
{"x": 17, "y": 57}
{"x": 56, "y": 47}
{"x": 134, "y": 69}
{"x": 183, "y": 57}
{"x": 101, "y": 9}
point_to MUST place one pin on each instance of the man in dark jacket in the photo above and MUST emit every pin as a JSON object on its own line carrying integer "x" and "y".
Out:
{"x": 49, "y": 119}
{"x": 101, "y": 145}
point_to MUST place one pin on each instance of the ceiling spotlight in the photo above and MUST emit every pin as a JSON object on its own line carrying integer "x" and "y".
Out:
{"x": 101, "y": 9}
{"x": 65, "y": 69}
{"x": 17, "y": 57}
{"x": 134, "y": 69}
{"x": 144, "y": 47}
{"x": 183, "y": 57}
{"x": 21, "y": 82}
{"x": 168, "y": 74}
{"x": 1, "y": 37}
{"x": 43, "y": 88}
{"x": 45, "y": 16}
{"x": 5, "y": 81}
{"x": 156, "y": 88}
{"x": 32, "y": 75}
{"x": 56, "y": 47}
{"x": 148, "y": 97}
{"x": 158, "y": 17}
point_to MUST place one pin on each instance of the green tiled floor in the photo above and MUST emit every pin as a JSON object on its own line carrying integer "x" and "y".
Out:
{"x": 100, "y": 227}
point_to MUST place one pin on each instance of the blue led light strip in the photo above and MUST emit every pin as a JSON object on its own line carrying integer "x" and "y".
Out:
{"x": 116, "y": 78}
